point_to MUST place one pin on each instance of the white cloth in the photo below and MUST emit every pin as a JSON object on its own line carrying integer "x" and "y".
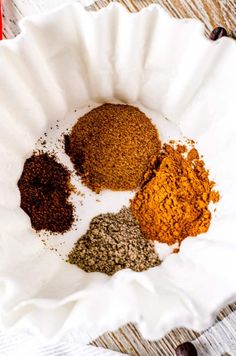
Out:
{"x": 219, "y": 340}
{"x": 13, "y": 344}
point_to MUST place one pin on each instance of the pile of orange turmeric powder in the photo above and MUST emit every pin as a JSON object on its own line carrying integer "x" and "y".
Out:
{"x": 173, "y": 201}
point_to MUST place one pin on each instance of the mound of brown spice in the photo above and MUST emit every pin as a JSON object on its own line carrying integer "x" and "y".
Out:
{"x": 173, "y": 203}
{"x": 113, "y": 242}
{"x": 111, "y": 147}
{"x": 44, "y": 188}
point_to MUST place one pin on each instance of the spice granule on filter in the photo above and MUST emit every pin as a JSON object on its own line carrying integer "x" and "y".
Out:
{"x": 173, "y": 201}
{"x": 111, "y": 146}
{"x": 45, "y": 188}
{"x": 113, "y": 242}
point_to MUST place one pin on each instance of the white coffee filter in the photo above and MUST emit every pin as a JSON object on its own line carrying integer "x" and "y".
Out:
{"x": 64, "y": 61}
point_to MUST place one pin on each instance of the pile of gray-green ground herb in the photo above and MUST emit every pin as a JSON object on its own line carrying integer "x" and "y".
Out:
{"x": 113, "y": 242}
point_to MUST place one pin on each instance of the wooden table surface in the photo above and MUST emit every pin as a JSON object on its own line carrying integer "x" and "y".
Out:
{"x": 221, "y": 338}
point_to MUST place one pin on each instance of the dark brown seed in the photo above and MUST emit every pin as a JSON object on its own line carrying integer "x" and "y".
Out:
{"x": 186, "y": 349}
{"x": 217, "y": 33}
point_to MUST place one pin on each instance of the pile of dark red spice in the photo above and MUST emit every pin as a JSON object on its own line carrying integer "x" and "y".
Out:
{"x": 45, "y": 188}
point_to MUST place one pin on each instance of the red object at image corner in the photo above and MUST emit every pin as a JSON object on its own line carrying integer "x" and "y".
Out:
{"x": 0, "y": 20}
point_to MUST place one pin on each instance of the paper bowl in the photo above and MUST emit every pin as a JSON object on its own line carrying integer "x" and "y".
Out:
{"x": 69, "y": 59}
